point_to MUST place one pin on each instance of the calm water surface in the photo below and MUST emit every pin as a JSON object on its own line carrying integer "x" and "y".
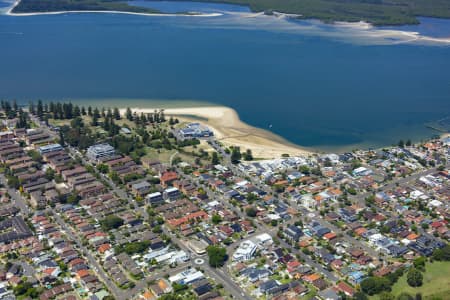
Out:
{"x": 321, "y": 87}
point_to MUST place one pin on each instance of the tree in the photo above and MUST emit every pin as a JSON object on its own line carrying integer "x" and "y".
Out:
{"x": 375, "y": 285}
{"x": 442, "y": 254}
{"x": 304, "y": 169}
{"x": 414, "y": 277}
{"x": 215, "y": 158}
{"x": 419, "y": 263}
{"x": 103, "y": 168}
{"x": 111, "y": 222}
{"x": 129, "y": 114}
{"x": 216, "y": 219}
{"x": 95, "y": 117}
{"x": 40, "y": 109}
{"x": 401, "y": 144}
{"x": 50, "y": 174}
{"x": 217, "y": 256}
{"x": 248, "y": 155}
{"x": 251, "y": 212}
{"x": 61, "y": 139}
{"x": 116, "y": 113}
{"x": 386, "y": 296}
{"x": 359, "y": 295}
{"x": 32, "y": 108}
{"x": 171, "y": 296}
{"x": 236, "y": 155}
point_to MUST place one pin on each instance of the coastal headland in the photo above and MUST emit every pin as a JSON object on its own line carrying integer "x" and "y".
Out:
{"x": 231, "y": 131}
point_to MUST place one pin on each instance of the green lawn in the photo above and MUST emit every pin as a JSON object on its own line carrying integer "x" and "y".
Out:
{"x": 436, "y": 282}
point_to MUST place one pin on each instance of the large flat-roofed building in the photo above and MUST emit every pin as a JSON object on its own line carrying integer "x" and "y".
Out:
{"x": 50, "y": 148}
{"x": 97, "y": 152}
{"x": 195, "y": 130}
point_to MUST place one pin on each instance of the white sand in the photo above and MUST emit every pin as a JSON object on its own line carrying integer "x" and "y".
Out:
{"x": 10, "y": 13}
{"x": 231, "y": 131}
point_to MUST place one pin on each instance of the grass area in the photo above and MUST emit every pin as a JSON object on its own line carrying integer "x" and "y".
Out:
{"x": 161, "y": 155}
{"x": 202, "y": 146}
{"x": 436, "y": 283}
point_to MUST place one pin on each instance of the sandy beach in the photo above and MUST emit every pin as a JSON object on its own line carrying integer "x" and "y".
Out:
{"x": 231, "y": 131}
{"x": 10, "y": 13}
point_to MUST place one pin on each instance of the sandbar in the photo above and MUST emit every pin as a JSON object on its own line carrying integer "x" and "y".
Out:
{"x": 231, "y": 131}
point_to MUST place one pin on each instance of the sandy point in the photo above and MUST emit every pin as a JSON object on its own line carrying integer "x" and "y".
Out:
{"x": 231, "y": 131}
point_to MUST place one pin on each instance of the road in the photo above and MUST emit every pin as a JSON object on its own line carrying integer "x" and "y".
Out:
{"x": 220, "y": 275}
{"x": 18, "y": 200}
{"x": 117, "y": 292}
{"x": 260, "y": 227}
{"x": 360, "y": 198}
{"x": 217, "y": 275}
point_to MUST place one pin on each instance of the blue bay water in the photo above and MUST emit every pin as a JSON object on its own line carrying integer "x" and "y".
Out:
{"x": 316, "y": 89}
{"x": 428, "y": 26}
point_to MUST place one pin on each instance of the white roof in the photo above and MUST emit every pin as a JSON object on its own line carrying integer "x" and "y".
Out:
{"x": 263, "y": 238}
{"x": 213, "y": 203}
{"x": 360, "y": 170}
{"x": 435, "y": 203}
{"x": 152, "y": 195}
{"x": 170, "y": 190}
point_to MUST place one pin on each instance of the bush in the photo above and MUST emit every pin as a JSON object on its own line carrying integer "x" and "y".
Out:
{"x": 414, "y": 277}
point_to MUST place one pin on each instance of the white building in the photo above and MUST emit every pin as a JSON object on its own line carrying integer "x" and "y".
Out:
{"x": 50, "y": 148}
{"x": 245, "y": 251}
{"x": 264, "y": 239}
{"x": 100, "y": 151}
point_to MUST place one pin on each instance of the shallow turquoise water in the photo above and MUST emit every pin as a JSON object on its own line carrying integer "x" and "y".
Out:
{"x": 319, "y": 86}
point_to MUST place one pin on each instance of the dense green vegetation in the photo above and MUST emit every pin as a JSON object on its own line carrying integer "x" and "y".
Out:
{"x": 217, "y": 256}
{"x": 27, "y": 6}
{"x": 111, "y": 222}
{"x": 374, "y": 285}
{"x": 378, "y": 12}
{"x": 132, "y": 248}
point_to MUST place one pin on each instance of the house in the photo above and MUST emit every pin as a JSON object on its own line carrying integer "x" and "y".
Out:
{"x": 293, "y": 233}
{"x": 155, "y": 198}
{"x": 140, "y": 188}
{"x": 268, "y": 286}
{"x": 345, "y": 288}
{"x": 167, "y": 178}
{"x": 171, "y": 194}
{"x": 255, "y": 274}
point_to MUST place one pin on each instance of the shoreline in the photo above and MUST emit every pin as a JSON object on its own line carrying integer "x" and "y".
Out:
{"x": 9, "y": 12}
{"x": 230, "y": 130}
{"x": 366, "y": 29}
